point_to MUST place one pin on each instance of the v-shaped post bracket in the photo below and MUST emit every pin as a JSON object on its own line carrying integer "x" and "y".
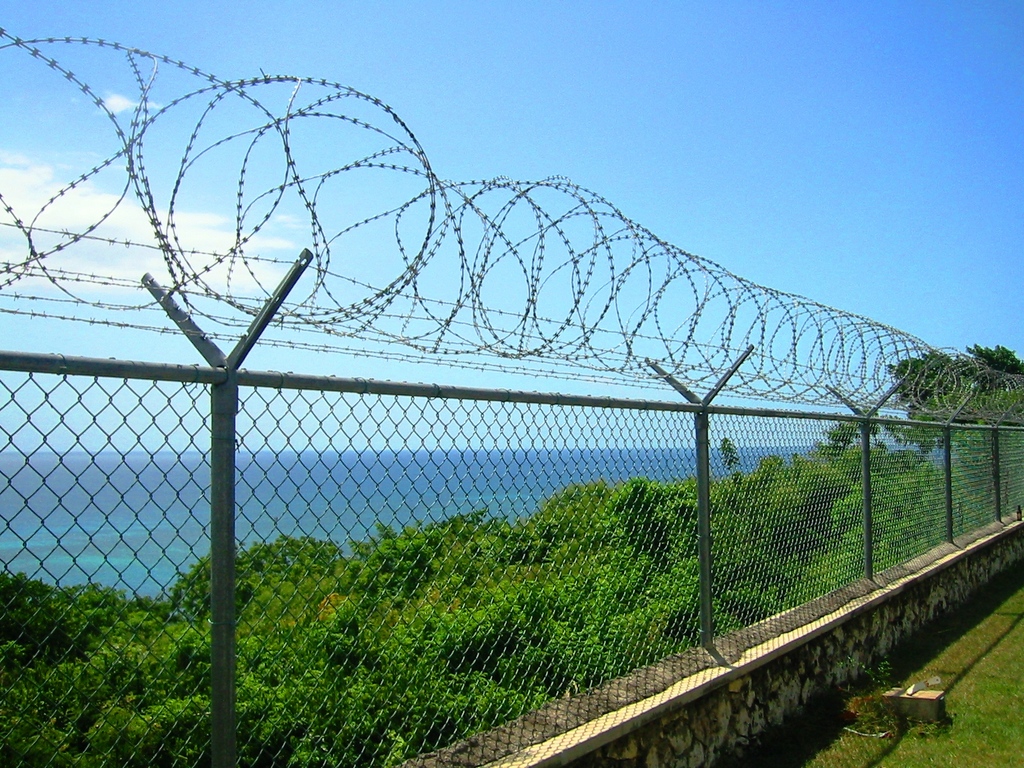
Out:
{"x": 203, "y": 343}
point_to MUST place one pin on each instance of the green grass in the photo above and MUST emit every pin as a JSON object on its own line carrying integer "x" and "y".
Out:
{"x": 978, "y": 652}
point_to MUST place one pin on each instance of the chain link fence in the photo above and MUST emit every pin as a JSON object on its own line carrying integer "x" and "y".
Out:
{"x": 416, "y": 566}
{"x": 972, "y": 478}
{"x": 104, "y": 499}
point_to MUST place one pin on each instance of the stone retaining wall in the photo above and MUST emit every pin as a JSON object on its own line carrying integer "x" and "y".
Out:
{"x": 776, "y": 679}
{"x": 695, "y": 707}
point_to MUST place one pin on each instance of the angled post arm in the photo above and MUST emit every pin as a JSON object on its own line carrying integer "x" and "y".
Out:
{"x": 703, "y": 443}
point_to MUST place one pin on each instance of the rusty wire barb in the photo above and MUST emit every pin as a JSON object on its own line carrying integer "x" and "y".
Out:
{"x": 214, "y": 185}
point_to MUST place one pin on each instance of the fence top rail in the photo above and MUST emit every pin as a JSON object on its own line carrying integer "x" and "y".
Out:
{"x": 31, "y": 362}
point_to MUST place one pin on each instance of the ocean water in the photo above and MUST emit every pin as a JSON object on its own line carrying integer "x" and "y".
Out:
{"x": 135, "y": 521}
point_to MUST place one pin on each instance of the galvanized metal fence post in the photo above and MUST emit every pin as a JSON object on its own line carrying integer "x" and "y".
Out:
{"x": 224, "y": 409}
{"x": 704, "y": 551}
{"x": 996, "y": 477}
{"x": 702, "y": 434}
{"x": 224, "y": 404}
{"x": 865, "y": 473}
{"x": 947, "y": 473}
{"x": 865, "y": 468}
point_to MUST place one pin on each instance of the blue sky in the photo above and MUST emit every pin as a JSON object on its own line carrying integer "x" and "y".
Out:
{"x": 869, "y": 156}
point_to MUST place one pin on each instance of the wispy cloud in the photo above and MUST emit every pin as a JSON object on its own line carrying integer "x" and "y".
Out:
{"x": 14, "y": 159}
{"x": 42, "y": 201}
{"x": 117, "y": 103}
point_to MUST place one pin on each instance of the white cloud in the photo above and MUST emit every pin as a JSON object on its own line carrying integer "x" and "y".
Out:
{"x": 117, "y": 103}
{"x": 290, "y": 221}
{"x": 14, "y": 159}
{"x": 42, "y": 200}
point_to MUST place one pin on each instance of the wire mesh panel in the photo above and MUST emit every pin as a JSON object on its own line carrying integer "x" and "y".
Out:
{"x": 973, "y": 480}
{"x": 908, "y": 497}
{"x": 103, "y": 498}
{"x": 415, "y": 570}
{"x": 786, "y": 514}
{"x": 1011, "y": 469}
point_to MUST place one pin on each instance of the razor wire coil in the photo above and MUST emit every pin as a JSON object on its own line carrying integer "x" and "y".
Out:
{"x": 495, "y": 274}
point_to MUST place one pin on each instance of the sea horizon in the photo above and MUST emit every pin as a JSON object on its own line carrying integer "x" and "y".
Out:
{"x": 134, "y": 521}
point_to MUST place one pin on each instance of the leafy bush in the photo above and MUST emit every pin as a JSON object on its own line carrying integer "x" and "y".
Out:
{"x": 370, "y": 652}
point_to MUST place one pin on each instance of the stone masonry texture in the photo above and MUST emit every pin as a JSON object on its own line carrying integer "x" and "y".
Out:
{"x": 728, "y": 719}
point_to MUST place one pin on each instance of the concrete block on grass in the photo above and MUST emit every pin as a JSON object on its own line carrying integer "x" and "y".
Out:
{"x": 924, "y": 706}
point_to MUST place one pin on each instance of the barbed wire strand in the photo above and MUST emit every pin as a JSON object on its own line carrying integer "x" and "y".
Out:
{"x": 494, "y": 274}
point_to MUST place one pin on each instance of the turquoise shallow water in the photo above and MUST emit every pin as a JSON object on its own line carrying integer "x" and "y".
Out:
{"x": 134, "y": 521}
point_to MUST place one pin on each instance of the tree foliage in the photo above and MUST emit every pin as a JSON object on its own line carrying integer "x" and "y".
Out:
{"x": 369, "y": 652}
{"x": 986, "y": 383}
{"x": 998, "y": 358}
